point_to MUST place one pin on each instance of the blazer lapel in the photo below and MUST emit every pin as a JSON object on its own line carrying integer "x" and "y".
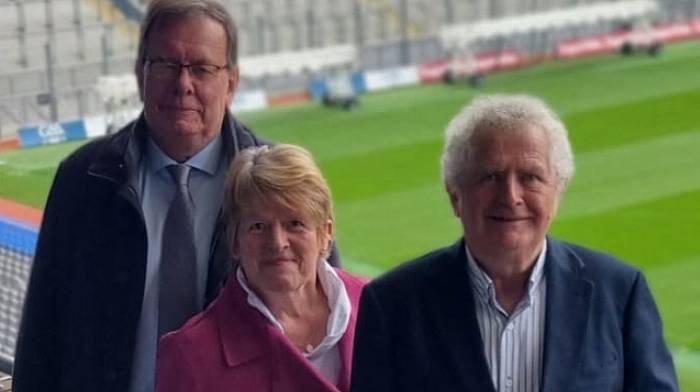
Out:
{"x": 452, "y": 304}
{"x": 568, "y": 308}
{"x": 246, "y": 335}
{"x": 242, "y": 330}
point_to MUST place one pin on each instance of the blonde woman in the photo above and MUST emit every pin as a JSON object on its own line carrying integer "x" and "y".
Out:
{"x": 286, "y": 319}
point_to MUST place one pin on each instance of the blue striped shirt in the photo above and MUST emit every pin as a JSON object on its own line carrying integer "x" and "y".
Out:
{"x": 513, "y": 343}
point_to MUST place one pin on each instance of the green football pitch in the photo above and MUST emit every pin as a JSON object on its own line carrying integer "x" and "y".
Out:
{"x": 635, "y": 127}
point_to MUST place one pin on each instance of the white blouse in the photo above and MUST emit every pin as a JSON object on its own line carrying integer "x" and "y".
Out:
{"x": 325, "y": 357}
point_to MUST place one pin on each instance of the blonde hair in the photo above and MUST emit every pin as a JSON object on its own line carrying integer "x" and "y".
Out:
{"x": 283, "y": 175}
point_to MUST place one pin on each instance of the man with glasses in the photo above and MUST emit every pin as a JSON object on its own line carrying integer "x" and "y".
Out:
{"x": 132, "y": 240}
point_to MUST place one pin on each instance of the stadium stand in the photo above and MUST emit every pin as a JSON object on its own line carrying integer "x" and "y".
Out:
{"x": 93, "y": 38}
{"x": 549, "y": 21}
{"x": 60, "y": 46}
{"x": 17, "y": 242}
{"x": 5, "y": 383}
{"x": 313, "y": 60}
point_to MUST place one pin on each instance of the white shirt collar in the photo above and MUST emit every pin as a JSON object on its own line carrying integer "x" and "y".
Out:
{"x": 338, "y": 302}
{"x": 206, "y": 160}
{"x": 484, "y": 285}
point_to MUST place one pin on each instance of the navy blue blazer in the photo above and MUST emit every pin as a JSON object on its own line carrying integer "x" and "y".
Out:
{"x": 417, "y": 328}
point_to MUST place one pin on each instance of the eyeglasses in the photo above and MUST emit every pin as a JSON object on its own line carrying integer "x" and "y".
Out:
{"x": 167, "y": 70}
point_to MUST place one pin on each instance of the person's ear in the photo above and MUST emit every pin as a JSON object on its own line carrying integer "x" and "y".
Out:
{"x": 327, "y": 238}
{"x": 329, "y": 229}
{"x": 455, "y": 199}
{"x": 232, "y": 83}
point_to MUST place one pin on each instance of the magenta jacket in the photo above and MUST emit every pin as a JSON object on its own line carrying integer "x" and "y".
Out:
{"x": 232, "y": 347}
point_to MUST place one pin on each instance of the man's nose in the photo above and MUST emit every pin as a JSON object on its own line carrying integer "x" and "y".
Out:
{"x": 185, "y": 82}
{"x": 511, "y": 191}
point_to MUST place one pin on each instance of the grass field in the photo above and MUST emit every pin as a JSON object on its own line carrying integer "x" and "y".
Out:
{"x": 635, "y": 126}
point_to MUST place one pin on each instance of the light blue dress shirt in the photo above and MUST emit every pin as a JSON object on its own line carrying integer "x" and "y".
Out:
{"x": 207, "y": 190}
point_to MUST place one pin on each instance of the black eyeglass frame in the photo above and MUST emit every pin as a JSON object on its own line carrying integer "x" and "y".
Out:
{"x": 173, "y": 69}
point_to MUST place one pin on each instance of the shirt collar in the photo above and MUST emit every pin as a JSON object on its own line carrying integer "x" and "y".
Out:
{"x": 338, "y": 302}
{"x": 484, "y": 285}
{"x": 206, "y": 160}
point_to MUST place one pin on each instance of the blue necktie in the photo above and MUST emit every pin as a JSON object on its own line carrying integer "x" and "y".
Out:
{"x": 178, "y": 273}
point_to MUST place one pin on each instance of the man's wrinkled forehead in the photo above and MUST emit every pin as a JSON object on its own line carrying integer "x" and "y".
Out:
{"x": 168, "y": 20}
{"x": 487, "y": 143}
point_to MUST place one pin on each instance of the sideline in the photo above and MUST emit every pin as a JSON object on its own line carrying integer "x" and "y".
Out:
{"x": 25, "y": 214}
{"x": 9, "y": 144}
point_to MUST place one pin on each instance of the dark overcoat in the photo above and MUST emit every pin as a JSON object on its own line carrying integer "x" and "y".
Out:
{"x": 85, "y": 293}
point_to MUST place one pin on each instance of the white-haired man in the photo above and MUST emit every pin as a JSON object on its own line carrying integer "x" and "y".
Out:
{"x": 509, "y": 308}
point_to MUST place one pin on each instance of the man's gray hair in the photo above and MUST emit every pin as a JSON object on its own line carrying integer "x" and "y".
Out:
{"x": 209, "y": 8}
{"x": 498, "y": 113}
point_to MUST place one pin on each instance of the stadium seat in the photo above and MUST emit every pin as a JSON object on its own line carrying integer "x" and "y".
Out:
{"x": 14, "y": 274}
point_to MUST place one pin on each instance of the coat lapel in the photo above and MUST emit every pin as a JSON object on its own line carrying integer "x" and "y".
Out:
{"x": 245, "y": 335}
{"x": 345, "y": 346}
{"x": 242, "y": 330}
{"x": 454, "y": 314}
{"x": 568, "y": 307}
